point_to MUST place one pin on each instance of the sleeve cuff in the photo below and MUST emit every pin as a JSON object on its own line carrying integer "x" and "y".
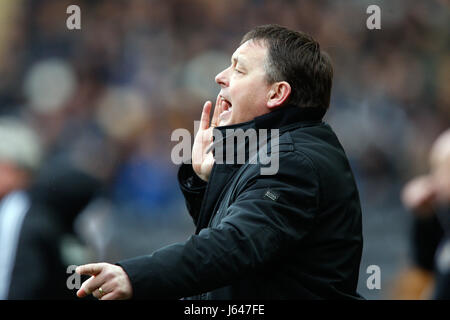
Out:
{"x": 189, "y": 180}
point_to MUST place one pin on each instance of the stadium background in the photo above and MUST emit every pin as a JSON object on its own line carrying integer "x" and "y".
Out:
{"x": 109, "y": 95}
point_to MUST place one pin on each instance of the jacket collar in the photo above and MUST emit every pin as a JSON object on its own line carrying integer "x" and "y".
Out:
{"x": 288, "y": 115}
{"x": 279, "y": 118}
{"x": 283, "y": 118}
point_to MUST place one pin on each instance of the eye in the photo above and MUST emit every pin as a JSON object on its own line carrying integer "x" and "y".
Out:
{"x": 238, "y": 71}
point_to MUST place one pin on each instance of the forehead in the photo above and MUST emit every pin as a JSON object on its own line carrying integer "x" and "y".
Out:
{"x": 250, "y": 52}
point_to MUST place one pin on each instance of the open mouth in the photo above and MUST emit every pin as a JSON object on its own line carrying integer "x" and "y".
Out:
{"x": 226, "y": 109}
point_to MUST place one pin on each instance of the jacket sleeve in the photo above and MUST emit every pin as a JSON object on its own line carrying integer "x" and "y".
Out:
{"x": 193, "y": 189}
{"x": 256, "y": 230}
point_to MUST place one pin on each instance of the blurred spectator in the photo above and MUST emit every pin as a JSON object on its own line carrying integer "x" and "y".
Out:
{"x": 38, "y": 206}
{"x": 428, "y": 197}
{"x": 47, "y": 244}
{"x": 20, "y": 156}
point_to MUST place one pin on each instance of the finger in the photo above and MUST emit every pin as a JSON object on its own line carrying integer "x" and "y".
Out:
{"x": 204, "y": 121}
{"x": 97, "y": 294}
{"x": 91, "y": 285}
{"x": 81, "y": 293}
{"x": 90, "y": 269}
{"x": 109, "y": 296}
{"x": 217, "y": 111}
{"x": 94, "y": 284}
{"x": 209, "y": 148}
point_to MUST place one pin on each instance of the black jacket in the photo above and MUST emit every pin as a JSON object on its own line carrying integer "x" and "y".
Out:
{"x": 293, "y": 235}
{"x": 57, "y": 196}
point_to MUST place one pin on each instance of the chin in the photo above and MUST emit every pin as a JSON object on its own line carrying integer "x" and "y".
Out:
{"x": 224, "y": 123}
{"x": 226, "y": 120}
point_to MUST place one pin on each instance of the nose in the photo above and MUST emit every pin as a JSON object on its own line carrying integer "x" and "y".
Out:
{"x": 222, "y": 78}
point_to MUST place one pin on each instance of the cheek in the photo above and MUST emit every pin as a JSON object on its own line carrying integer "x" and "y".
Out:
{"x": 248, "y": 93}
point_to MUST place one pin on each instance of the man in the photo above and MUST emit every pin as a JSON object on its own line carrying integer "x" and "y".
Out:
{"x": 295, "y": 234}
{"x": 38, "y": 204}
{"x": 20, "y": 156}
{"x": 428, "y": 198}
{"x": 46, "y": 238}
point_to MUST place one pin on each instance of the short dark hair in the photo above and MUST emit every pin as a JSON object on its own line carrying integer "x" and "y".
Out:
{"x": 295, "y": 57}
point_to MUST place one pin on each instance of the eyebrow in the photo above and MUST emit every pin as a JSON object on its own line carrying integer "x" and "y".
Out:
{"x": 239, "y": 59}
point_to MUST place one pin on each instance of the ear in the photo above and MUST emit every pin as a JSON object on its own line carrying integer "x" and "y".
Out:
{"x": 278, "y": 94}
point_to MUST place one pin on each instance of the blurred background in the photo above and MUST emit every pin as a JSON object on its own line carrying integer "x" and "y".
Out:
{"x": 100, "y": 103}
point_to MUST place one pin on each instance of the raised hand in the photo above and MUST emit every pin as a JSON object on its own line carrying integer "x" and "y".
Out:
{"x": 202, "y": 156}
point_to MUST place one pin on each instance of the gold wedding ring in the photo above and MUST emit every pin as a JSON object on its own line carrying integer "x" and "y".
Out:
{"x": 101, "y": 291}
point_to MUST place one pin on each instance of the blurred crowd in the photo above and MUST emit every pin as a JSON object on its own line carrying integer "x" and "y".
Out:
{"x": 86, "y": 116}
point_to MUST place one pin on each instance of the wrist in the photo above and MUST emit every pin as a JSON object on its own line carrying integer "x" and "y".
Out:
{"x": 203, "y": 178}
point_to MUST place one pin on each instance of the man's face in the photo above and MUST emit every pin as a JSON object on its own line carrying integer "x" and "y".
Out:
{"x": 12, "y": 179}
{"x": 244, "y": 87}
{"x": 441, "y": 176}
{"x": 440, "y": 166}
